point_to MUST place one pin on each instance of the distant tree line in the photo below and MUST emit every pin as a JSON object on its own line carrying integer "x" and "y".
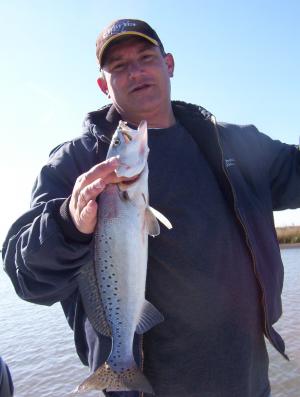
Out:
{"x": 288, "y": 234}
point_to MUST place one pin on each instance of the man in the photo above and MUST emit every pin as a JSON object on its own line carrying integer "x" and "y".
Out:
{"x": 216, "y": 276}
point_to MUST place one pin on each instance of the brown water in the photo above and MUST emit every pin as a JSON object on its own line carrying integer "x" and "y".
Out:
{"x": 38, "y": 345}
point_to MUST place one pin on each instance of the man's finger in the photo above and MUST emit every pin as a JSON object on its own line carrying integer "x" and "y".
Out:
{"x": 88, "y": 217}
{"x": 100, "y": 170}
{"x": 89, "y": 192}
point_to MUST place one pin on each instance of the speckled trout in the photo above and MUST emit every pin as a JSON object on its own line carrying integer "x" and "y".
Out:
{"x": 113, "y": 286}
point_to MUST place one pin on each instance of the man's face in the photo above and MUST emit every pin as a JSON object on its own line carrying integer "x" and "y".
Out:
{"x": 137, "y": 77}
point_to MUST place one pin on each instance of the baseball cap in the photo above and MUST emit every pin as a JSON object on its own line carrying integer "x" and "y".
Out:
{"x": 125, "y": 27}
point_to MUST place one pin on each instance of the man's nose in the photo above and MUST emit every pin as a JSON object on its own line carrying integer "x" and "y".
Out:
{"x": 134, "y": 69}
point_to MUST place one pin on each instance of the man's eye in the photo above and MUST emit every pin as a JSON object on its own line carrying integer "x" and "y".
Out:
{"x": 118, "y": 67}
{"x": 147, "y": 58}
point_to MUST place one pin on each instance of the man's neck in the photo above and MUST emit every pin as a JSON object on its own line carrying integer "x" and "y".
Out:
{"x": 158, "y": 120}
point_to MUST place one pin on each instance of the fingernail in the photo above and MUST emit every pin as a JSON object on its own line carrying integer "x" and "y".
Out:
{"x": 115, "y": 160}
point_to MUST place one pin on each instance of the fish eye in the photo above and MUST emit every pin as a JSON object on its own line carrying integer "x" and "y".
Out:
{"x": 116, "y": 142}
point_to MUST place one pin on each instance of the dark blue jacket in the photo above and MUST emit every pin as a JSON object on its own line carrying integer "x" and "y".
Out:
{"x": 6, "y": 384}
{"x": 43, "y": 252}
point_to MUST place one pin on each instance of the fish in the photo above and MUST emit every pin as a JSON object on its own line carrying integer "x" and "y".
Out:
{"x": 112, "y": 286}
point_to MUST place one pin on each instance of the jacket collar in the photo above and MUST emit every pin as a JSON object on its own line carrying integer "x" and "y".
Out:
{"x": 197, "y": 121}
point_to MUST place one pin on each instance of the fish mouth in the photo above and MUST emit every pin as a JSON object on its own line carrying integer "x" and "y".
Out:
{"x": 129, "y": 181}
{"x": 126, "y": 184}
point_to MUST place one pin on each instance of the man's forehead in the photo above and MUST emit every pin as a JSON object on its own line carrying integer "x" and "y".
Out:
{"x": 116, "y": 49}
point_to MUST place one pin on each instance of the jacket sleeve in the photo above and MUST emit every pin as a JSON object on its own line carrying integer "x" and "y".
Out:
{"x": 281, "y": 163}
{"x": 41, "y": 260}
{"x": 284, "y": 174}
{"x": 269, "y": 163}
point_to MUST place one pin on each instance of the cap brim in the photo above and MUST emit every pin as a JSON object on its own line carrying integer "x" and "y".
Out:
{"x": 131, "y": 33}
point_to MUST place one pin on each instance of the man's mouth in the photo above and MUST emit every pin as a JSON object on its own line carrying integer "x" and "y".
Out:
{"x": 139, "y": 87}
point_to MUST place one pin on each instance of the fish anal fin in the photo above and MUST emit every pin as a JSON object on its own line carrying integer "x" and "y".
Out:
{"x": 149, "y": 318}
{"x": 106, "y": 378}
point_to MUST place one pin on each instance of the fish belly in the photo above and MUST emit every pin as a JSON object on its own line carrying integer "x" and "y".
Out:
{"x": 121, "y": 266}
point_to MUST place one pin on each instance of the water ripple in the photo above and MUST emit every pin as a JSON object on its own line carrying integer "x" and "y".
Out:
{"x": 38, "y": 345}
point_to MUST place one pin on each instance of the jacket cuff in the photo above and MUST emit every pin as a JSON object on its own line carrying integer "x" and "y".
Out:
{"x": 69, "y": 230}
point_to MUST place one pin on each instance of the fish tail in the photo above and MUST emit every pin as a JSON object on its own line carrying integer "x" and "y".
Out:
{"x": 106, "y": 378}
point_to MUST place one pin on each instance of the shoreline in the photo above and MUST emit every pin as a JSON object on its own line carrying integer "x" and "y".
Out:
{"x": 289, "y": 245}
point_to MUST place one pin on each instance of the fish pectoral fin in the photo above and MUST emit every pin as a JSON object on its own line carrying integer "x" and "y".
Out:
{"x": 162, "y": 219}
{"x": 152, "y": 224}
{"x": 149, "y": 318}
{"x": 106, "y": 378}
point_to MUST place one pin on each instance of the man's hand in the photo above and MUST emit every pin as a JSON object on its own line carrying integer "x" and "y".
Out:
{"x": 83, "y": 206}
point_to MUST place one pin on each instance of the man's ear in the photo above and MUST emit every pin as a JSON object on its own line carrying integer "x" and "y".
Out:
{"x": 169, "y": 60}
{"x": 102, "y": 85}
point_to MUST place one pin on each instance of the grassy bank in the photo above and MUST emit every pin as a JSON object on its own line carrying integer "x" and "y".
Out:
{"x": 288, "y": 235}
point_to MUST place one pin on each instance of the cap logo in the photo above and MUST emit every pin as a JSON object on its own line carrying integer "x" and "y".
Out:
{"x": 118, "y": 28}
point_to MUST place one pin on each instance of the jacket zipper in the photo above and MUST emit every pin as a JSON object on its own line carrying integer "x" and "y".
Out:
{"x": 263, "y": 303}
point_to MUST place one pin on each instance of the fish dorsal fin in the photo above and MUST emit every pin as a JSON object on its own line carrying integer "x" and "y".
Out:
{"x": 162, "y": 219}
{"x": 91, "y": 299}
{"x": 150, "y": 316}
{"x": 151, "y": 222}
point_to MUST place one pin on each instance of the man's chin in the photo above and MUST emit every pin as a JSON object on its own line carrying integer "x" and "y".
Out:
{"x": 144, "y": 103}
